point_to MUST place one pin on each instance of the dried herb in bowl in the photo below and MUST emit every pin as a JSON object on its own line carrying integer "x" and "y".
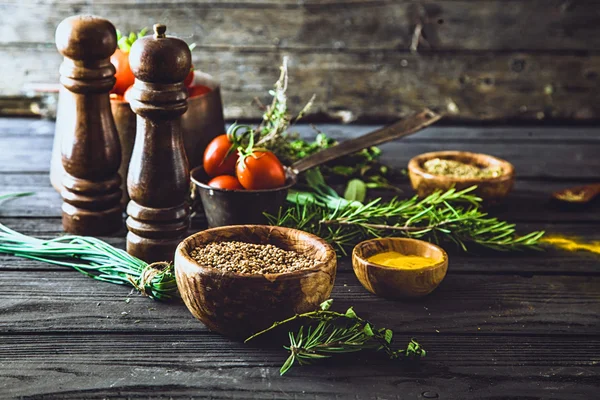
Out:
{"x": 250, "y": 258}
{"x": 457, "y": 169}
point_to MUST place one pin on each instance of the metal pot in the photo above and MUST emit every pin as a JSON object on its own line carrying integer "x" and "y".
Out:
{"x": 240, "y": 207}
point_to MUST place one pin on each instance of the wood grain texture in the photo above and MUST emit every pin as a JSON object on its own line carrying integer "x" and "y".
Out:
{"x": 237, "y": 305}
{"x": 551, "y": 262}
{"x": 492, "y": 190}
{"x": 385, "y": 84}
{"x": 534, "y": 152}
{"x": 529, "y": 202}
{"x": 480, "y": 59}
{"x": 332, "y": 25}
{"x": 399, "y": 283}
{"x": 521, "y": 325}
{"x": 192, "y": 366}
{"x": 65, "y": 301}
{"x": 158, "y": 181}
{"x": 549, "y": 133}
{"x": 90, "y": 187}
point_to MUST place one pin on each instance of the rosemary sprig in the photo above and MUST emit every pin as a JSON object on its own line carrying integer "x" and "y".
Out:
{"x": 453, "y": 216}
{"x": 329, "y": 333}
{"x": 94, "y": 258}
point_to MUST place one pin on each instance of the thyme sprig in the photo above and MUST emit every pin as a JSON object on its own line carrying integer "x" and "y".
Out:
{"x": 92, "y": 257}
{"x": 453, "y": 216}
{"x": 276, "y": 133}
{"x": 330, "y": 332}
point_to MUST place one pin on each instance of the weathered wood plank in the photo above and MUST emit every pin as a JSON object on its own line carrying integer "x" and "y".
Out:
{"x": 529, "y": 202}
{"x": 380, "y": 84}
{"x": 207, "y": 366}
{"x": 510, "y": 134}
{"x": 532, "y": 159}
{"x": 332, "y": 26}
{"x": 551, "y": 261}
{"x": 43, "y": 301}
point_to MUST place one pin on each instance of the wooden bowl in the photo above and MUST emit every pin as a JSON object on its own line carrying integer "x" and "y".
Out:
{"x": 237, "y": 305}
{"x": 399, "y": 283}
{"x": 490, "y": 189}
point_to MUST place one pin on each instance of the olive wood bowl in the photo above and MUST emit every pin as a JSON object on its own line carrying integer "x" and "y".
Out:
{"x": 492, "y": 190}
{"x": 399, "y": 283}
{"x": 238, "y": 305}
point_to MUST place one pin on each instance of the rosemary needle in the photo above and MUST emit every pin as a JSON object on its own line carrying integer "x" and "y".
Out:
{"x": 452, "y": 216}
{"x": 92, "y": 257}
{"x": 329, "y": 332}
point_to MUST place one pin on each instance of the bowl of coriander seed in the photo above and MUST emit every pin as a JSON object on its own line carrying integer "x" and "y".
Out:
{"x": 238, "y": 280}
{"x": 442, "y": 170}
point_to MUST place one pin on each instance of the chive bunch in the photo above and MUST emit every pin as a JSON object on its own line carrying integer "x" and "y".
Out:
{"x": 94, "y": 258}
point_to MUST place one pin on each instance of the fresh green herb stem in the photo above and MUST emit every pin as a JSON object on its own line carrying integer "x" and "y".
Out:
{"x": 275, "y": 133}
{"x": 453, "y": 216}
{"x": 92, "y": 257}
{"x": 329, "y": 333}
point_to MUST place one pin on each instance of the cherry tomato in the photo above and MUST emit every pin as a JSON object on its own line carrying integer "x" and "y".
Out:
{"x": 198, "y": 90}
{"x": 260, "y": 170}
{"x": 226, "y": 182}
{"x": 124, "y": 76}
{"x": 214, "y": 160}
{"x": 189, "y": 78}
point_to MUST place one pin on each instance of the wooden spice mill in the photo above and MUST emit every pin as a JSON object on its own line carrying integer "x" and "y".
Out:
{"x": 158, "y": 180}
{"x": 91, "y": 153}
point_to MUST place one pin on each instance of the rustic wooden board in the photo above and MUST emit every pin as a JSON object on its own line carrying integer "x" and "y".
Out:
{"x": 500, "y": 326}
{"x": 188, "y": 366}
{"x": 331, "y": 25}
{"x": 440, "y": 132}
{"x": 43, "y": 301}
{"x": 529, "y": 202}
{"x": 532, "y": 159}
{"x": 370, "y": 84}
{"x": 550, "y": 262}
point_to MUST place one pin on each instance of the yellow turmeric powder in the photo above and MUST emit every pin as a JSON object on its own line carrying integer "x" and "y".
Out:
{"x": 571, "y": 244}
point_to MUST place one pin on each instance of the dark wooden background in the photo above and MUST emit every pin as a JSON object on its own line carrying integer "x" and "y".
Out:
{"x": 476, "y": 59}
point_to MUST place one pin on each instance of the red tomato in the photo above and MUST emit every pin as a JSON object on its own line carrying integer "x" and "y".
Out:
{"x": 190, "y": 78}
{"x": 214, "y": 160}
{"x": 260, "y": 170}
{"x": 198, "y": 90}
{"x": 124, "y": 76}
{"x": 226, "y": 182}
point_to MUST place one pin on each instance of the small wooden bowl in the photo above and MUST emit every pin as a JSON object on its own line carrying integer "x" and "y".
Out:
{"x": 490, "y": 189}
{"x": 238, "y": 305}
{"x": 399, "y": 283}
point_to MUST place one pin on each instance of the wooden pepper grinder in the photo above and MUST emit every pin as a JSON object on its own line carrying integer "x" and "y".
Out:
{"x": 158, "y": 180}
{"x": 91, "y": 153}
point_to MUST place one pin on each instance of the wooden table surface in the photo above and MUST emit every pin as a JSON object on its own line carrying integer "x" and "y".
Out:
{"x": 499, "y": 326}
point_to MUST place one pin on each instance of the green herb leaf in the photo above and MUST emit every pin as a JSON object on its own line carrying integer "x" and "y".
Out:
{"x": 388, "y": 335}
{"x": 451, "y": 216}
{"x": 356, "y": 190}
{"x": 328, "y": 333}
{"x": 92, "y": 257}
{"x": 350, "y": 313}
{"x": 326, "y": 304}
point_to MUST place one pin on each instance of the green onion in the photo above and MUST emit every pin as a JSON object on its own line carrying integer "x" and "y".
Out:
{"x": 92, "y": 257}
